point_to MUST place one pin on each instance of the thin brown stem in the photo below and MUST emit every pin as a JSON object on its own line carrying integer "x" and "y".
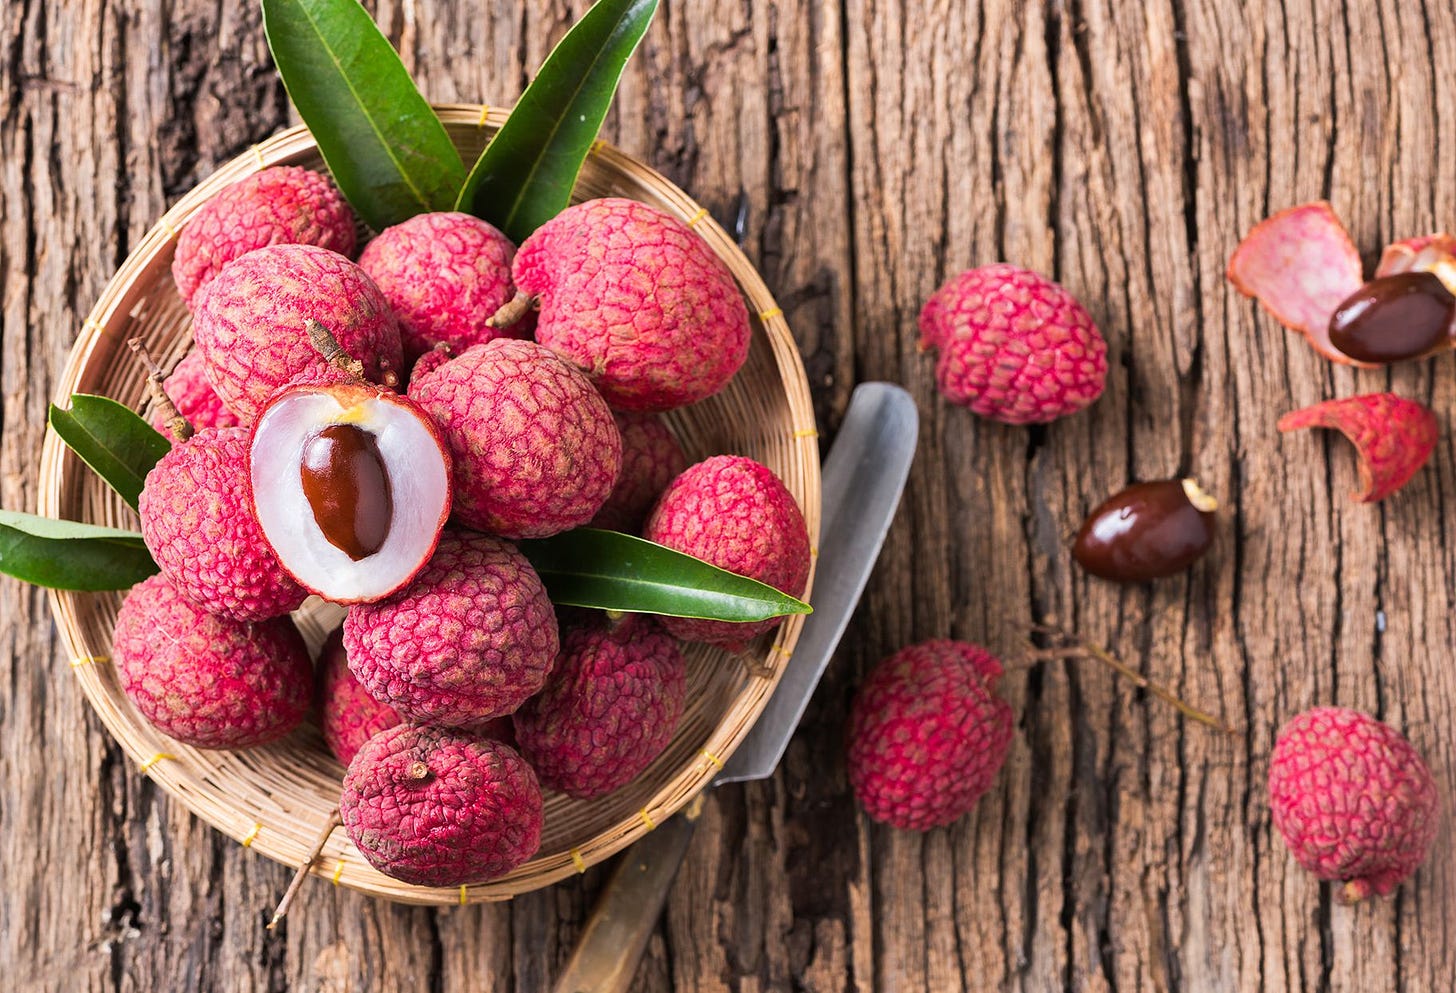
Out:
{"x": 307, "y": 864}
{"x": 176, "y": 423}
{"x": 512, "y": 310}
{"x": 328, "y": 346}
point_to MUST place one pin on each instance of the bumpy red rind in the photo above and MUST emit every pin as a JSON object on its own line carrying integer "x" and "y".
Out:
{"x": 1393, "y": 436}
{"x": 348, "y": 715}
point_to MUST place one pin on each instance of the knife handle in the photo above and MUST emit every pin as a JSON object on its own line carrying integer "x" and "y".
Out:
{"x": 611, "y": 945}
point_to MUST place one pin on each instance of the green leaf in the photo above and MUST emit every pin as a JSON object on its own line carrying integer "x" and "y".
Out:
{"x": 64, "y": 555}
{"x": 112, "y": 439}
{"x": 388, "y": 151}
{"x": 525, "y": 175}
{"x": 612, "y": 571}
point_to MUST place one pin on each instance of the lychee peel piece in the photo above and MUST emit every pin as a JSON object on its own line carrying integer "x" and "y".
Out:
{"x": 348, "y": 715}
{"x": 651, "y": 459}
{"x": 1399, "y": 255}
{"x": 193, "y": 396}
{"x": 1353, "y": 800}
{"x": 1393, "y": 437}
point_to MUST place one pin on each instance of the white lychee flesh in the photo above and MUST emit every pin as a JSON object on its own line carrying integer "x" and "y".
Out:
{"x": 351, "y": 485}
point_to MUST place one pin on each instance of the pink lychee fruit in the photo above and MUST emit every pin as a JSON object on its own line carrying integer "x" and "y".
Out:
{"x": 927, "y": 734}
{"x": 193, "y": 396}
{"x": 632, "y": 296}
{"x": 197, "y": 519}
{"x": 469, "y": 639}
{"x": 250, "y": 321}
{"x": 1014, "y": 346}
{"x": 609, "y": 708}
{"x": 348, "y": 715}
{"x": 1353, "y": 800}
{"x": 736, "y": 514}
{"x": 276, "y": 206}
{"x": 436, "y": 807}
{"x": 534, "y": 446}
{"x": 205, "y": 680}
{"x": 444, "y": 274}
{"x": 651, "y": 458}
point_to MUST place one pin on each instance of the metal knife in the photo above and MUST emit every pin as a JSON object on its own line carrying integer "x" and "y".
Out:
{"x": 862, "y": 482}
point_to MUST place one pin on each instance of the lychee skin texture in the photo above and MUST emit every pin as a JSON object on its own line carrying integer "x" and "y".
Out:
{"x": 632, "y": 296}
{"x": 444, "y": 274}
{"x": 1353, "y": 800}
{"x": 279, "y": 205}
{"x": 735, "y": 513}
{"x": 651, "y": 459}
{"x": 435, "y": 807}
{"x": 348, "y": 715}
{"x": 1014, "y": 346}
{"x": 195, "y": 399}
{"x": 249, "y": 322}
{"x": 198, "y": 523}
{"x": 609, "y": 708}
{"x": 927, "y": 735}
{"x": 469, "y": 639}
{"x": 207, "y": 681}
{"x": 534, "y": 446}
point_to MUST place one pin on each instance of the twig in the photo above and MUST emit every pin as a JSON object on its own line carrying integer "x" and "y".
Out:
{"x": 328, "y": 346}
{"x": 176, "y": 423}
{"x": 512, "y": 310}
{"x": 302, "y": 873}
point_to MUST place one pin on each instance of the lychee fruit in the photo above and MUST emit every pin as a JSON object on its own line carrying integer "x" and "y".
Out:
{"x": 351, "y": 486}
{"x": 205, "y": 680}
{"x": 1014, "y": 346}
{"x": 250, "y": 323}
{"x": 275, "y": 206}
{"x": 609, "y": 708}
{"x": 445, "y": 274}
{"x": 630, "y": 295}
{"x": 348, "y": 715}
{"x": 469, "y": 639}
{"x": 927, "y": 734}
{"x": 436, "y": 807}
{"x": 197, "y": 519}
{"x": 736, "y": 514}
{"x": 193, "y": 396}
{"x": 651, "y": 458}
{"x": 534, "y": 446}
{"x": 1353, "y": 800}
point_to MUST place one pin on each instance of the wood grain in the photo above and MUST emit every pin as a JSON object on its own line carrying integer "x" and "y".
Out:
{"x": 1122, "y": 148}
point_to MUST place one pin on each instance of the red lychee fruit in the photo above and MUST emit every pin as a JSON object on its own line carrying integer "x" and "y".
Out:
{"x": 609, "y": 708}
{"x": 276, "y": 206}
{"x": 927, "y": 734}
{"x": 1014, "y": 346}
{"x": 208, "y": 681}
{"x": 736, "y": 514}
{"x": 435, "y": 807}
{"x": 633, "y": 297}
{"x": 1353, "y": 800}
{"x": 348, "y": 715}
{"x": 197, "y": 519}
{"x": 444, "y": 274}
{"x": 535, "y": 449}
{"x": 469, "y": 639}
{"x": 651, "y": 459}
{"x": 193, "y": 396}
{"x": 250, "y": 323}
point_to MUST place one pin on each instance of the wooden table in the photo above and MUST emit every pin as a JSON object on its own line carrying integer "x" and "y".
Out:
{"x": 1122, "y": 147}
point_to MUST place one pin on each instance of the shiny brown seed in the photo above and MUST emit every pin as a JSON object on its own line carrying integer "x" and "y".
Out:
{"x": 1393, "y": 318}
{"x": 1147, "y": 531}
{"x": 347, "y": 485}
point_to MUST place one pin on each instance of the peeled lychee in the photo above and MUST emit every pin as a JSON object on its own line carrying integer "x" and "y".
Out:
{"x": 1353, "y": 800}
{"x": 736, "y": 514}
{"x": 927, "y": 734}
{"x": 197, "y": 519}
{"x": 630, "y": 295}
{"x": 193, "y": 396}
{"x": 470, "y": 639}
{"x": 250, "y": 323}
{"x": 207, "y": 681}
{"x": 278, "y": 205}
{"x": 609, "y": 708}
{"x": 534, "y": 446}
{"x": 1014, "y": 346}
{"x": 435, "y": 807}
{"x": 651, "y": 458}
{"x": 348, "y": 715}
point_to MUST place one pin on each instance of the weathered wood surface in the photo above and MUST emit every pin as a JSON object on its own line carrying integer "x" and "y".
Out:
{"x": 1121, "y": 146}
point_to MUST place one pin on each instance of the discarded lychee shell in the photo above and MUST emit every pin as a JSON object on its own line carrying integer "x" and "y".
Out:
{"x": 351, "y": 485}
{"x": 1393, "y": 436}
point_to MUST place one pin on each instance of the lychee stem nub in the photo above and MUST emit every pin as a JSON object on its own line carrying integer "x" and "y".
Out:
{"x": 328, "y": 346}
{"x": 512, "y": 310}
{"x": 176, "y": 423}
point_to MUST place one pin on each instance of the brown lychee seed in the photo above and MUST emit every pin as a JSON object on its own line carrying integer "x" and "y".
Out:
{"x": 351, "y": 485}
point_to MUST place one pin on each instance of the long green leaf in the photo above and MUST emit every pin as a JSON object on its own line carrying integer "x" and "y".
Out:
{"x": 525, "y": 175}
{"x": 388, "y": 151}
{"x": 64, "y": 555}
{"x": 611, "y": 571}
{"x": 112, "y": 439}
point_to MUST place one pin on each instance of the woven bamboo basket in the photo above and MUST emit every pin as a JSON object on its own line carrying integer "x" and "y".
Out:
{"x": 277, "y": 799}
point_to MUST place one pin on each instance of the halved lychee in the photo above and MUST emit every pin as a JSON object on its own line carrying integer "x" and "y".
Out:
{"x": 351, "y": 485}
